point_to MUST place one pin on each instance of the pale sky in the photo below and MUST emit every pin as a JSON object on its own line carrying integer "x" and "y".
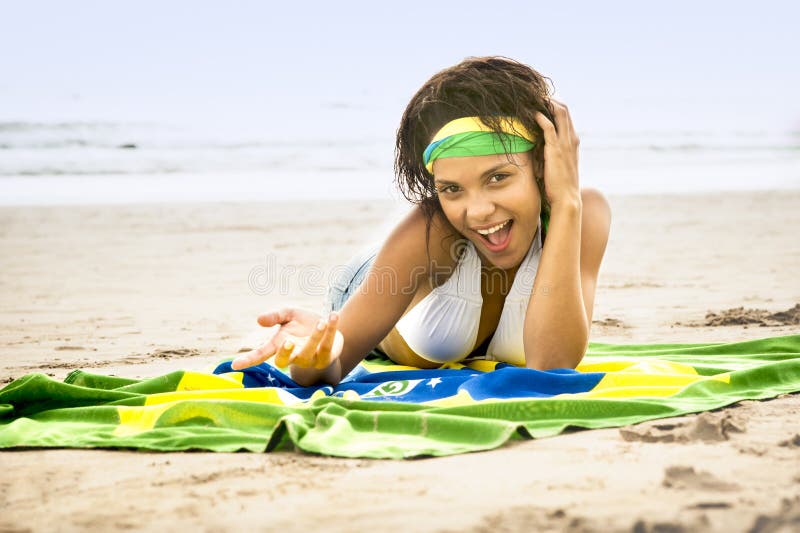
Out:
{"x": 622, "y": 66}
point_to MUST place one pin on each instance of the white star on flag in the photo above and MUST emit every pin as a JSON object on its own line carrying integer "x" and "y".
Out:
{"x": 271, "y": 379}
{"x": 433, "y": 382}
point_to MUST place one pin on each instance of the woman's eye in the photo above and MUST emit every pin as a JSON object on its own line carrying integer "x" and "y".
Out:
{"x": 454, "y": 189}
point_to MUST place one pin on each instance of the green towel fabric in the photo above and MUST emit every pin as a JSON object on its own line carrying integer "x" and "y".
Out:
{"x": 386, "y": 411}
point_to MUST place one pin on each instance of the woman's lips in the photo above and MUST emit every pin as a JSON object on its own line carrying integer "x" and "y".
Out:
{"x": 497, "y": 248}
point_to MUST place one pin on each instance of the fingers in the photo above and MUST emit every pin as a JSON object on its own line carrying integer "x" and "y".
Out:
{"x": 276, "y": 317}
{"x": 326, "y": 343}
{"x": 565, "y": 122}
{"x": 548, "y": 129}
{"x": 266, "y": 351}
{"x": 315, "y": 351}
{"x": 562, "y": 130}
{"x": 306, "y": 357}
{"x": 257, "y": 356}
{"x": 284, "y": 354}
{"x": 561, "y": 116}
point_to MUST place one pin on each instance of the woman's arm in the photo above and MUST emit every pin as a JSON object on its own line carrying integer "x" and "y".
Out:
{"x": 559, "y": 313}
{"x": 378, "y": 303}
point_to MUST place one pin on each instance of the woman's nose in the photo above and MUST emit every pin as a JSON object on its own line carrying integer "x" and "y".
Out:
{"x": 480, "y": 208}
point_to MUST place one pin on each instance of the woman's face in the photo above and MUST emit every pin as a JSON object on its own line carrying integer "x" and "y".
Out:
{"x": 484, "y": 191}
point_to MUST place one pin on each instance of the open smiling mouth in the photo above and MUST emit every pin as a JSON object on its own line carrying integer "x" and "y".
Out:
{"x": 498, "y": 240}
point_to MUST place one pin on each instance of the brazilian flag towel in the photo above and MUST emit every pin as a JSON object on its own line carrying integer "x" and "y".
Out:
{"x": 384, "y": 410}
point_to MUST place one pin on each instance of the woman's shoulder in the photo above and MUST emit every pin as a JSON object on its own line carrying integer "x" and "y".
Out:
{"x": 438, "y": 259}
{"x": 409, "y": 235}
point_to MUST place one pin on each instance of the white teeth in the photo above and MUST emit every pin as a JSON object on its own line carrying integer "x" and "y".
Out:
{"x": 492, "y": 229}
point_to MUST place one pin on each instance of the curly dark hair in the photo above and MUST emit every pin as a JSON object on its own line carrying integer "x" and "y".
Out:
{"x": 486, "y": 87}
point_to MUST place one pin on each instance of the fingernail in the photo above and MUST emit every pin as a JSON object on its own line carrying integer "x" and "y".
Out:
{"x": 321, "y": 325}
{"x": 333, "y": 316}
{"x": 288, "y": 345}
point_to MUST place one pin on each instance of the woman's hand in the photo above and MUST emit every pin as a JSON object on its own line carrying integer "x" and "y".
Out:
{"x": 304, "y": 339}
{"x": 560, "y": 155}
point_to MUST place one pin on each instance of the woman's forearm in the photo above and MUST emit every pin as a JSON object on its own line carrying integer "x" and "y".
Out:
{"x": 305, "y": 377}
{"x": 556, "y": 332}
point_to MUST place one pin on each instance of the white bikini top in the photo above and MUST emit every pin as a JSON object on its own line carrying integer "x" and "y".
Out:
{"x": 443, "y": 326}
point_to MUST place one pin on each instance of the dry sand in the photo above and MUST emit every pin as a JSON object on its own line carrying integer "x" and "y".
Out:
{"x": 141, "y": 290}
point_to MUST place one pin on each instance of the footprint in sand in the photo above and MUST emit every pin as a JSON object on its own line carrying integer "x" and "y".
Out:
{"x": 700, "y": 523}
{"x": 531, "y": 518}
{"x": 794, "y": 442}
{"x": 705, "y": 427}
{"x": 741, "y": 316}
{"x": 610, "y": 323}
{"x": 786, "y": 519}
{"x": 175, "y": 353}
{"x": 687, "y": 478}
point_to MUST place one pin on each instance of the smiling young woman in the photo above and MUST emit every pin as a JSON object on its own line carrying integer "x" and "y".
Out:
{"x": 499, "y": 257}
{"x": 498, "y": 208}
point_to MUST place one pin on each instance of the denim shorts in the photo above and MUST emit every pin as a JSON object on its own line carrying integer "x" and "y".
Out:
{"x": 345, "y": 279}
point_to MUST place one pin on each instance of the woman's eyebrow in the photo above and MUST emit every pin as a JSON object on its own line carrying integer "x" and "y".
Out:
{"x": 483, "y": 175}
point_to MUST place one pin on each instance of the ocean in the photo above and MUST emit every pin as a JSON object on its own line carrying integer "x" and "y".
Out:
{"x": 74, "y": 162}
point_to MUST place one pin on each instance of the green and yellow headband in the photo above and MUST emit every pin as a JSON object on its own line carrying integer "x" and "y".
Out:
{"x": 469, "y": 136}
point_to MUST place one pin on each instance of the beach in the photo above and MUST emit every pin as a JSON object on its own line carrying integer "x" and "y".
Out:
{"x": 138, "y": 290}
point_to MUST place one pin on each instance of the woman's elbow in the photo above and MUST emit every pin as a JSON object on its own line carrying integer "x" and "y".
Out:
{"x": 561, "y": 359}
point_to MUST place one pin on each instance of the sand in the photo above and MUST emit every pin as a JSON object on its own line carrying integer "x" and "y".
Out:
{"x": 139, "y": 290}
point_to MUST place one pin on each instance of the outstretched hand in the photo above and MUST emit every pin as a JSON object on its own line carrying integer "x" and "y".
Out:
{"x": 304, "y": 339}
